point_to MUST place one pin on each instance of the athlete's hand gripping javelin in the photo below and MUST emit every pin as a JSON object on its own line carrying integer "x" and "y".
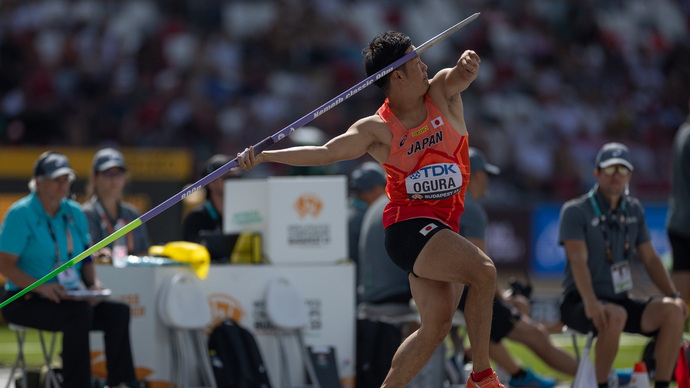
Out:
{"x": 248, "y": 160}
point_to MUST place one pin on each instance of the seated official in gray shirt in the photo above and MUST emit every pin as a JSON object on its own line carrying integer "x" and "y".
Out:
{"x": 600, "y": 231}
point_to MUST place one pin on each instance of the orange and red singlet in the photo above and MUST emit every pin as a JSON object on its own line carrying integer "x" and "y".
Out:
{"x": 428, "y": 169}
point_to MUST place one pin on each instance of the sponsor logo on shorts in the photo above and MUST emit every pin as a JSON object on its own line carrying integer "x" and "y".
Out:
{"x": 425, "y": 230}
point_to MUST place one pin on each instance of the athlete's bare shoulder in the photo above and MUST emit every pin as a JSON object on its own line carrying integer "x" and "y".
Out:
{"x": 375, "y": 128}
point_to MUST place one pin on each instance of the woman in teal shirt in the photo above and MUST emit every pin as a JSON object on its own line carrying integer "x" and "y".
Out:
{"x": 40, "y": 232}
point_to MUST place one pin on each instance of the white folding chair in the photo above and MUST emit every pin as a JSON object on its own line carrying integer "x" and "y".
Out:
{"x": 288, "y": 312}
{"x": 586, "y": 375}
{"x": 184, "y": 310}
{"x": 20, "y": 332}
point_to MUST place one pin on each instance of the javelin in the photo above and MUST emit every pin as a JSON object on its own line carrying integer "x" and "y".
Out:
{"x": 267, "y": 142}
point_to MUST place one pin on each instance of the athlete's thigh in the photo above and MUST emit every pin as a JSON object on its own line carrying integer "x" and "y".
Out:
{"x": 450, "y": 257}
{"x": 435, "y": 300}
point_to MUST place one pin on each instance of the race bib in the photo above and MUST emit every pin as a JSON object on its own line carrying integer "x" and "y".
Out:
{"x": 433, "y": 182}
{"x": 621, "y": 276}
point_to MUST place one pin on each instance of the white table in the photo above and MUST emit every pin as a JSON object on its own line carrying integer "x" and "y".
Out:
{"x": 238, "y": 291}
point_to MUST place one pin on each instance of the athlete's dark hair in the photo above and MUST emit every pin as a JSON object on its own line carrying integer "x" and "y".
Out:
{"x": 383, "y": 51}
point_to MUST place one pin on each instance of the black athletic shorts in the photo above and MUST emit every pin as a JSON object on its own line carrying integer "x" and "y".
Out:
{"x": 573, "y": 313}
{"x": 405, "y": 239}
{"x": 681, "y": 251}
{"x": 504, "y": 317}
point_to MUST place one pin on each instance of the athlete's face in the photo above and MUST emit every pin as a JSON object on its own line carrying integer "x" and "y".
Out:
{"x": 416, "y": 70}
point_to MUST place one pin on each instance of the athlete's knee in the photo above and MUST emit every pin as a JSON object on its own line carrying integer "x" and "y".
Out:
{"x": 485, "y": 272}
{"x": 436, "y": 330}
{"x": 439, "y": 333}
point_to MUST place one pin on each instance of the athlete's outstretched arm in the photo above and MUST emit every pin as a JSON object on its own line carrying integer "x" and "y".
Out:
{"x": 355, "y": 142}
{"x": 458, "y": 78}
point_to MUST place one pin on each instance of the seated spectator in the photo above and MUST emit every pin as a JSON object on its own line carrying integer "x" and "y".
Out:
{"x": 508, "y": 321}
{"x": 600, "y": 230}
{"x": 367, "y": 184}
{"x": 204, "y": 224}
{"x": 105, "y": 210}
{"x": 39, "y": 233}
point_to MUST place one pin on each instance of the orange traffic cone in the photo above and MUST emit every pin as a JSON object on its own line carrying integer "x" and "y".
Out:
{"x": 640, "y": 377}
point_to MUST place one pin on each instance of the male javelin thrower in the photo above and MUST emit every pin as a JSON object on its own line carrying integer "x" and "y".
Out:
{"x": 419, "y": 136}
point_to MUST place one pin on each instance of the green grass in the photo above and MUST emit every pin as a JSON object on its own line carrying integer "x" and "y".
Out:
{"x": 629, "y": 352}
{"x": 32, "y": 347}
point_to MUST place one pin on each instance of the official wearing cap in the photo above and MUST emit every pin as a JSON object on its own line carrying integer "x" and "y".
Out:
{"x": 600, "y": 231}
{"x": 41, "y": 232}
{"x": 106, "y": 211}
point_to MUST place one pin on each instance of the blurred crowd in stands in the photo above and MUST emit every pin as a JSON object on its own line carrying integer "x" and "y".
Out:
{"x": 558, "y": 78}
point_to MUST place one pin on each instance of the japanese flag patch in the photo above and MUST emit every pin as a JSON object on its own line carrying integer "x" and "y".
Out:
{"x": 437, "y": 122}
{"x": 425, "y": 230}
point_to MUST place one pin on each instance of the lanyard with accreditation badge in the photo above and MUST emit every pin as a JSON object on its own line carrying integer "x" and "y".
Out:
{"x": 105, "y": 221}
{"x": 620, "y": 272}
{"x": 67, "y": 278}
